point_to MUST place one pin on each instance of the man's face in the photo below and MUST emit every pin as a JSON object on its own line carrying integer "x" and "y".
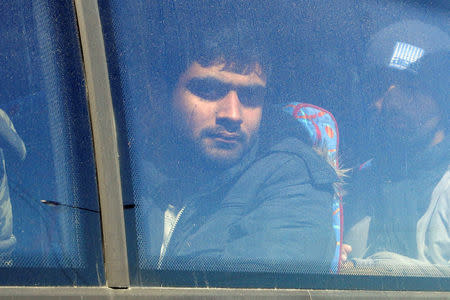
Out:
{"x": 219, "y": 111}
{"x": 407, "y": 115}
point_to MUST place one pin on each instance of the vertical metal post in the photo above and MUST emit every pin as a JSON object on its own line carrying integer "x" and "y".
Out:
{"x": 105, "y": 143}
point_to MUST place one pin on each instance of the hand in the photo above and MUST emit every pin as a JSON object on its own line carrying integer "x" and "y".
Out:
{"x": 346, "y": 249}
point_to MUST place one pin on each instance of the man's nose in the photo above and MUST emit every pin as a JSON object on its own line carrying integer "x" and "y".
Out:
{"x": 378, "y": 104}
{"x": 229, "y": 111}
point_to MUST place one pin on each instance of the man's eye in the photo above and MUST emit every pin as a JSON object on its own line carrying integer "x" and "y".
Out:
{"x": 252, "y": 96}
{"x": 207, "y": 89}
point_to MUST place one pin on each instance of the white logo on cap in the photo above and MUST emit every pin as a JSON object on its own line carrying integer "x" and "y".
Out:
{"x": 404, "y": 55}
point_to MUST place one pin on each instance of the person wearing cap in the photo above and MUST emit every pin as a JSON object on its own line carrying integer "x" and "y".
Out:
{"x": 407, "y": 64}
{"x": 230, "y": 183}
{"x": 11, "y": 147}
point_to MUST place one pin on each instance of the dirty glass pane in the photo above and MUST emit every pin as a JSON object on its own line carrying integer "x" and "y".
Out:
{"x": 251, "y": 132}
{"x": 49, "y": 219}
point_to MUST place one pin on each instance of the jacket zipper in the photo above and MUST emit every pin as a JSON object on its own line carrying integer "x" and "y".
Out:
{"x": 166, "y": 243}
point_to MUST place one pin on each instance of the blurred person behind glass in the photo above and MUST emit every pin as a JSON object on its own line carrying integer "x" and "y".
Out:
{"x": 229, "y": 183}
{"x": 11, "y": 147}
{"x": 408, "y": 87}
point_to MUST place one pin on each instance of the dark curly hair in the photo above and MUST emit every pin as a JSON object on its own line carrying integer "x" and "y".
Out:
{"x": 207, "y": 35}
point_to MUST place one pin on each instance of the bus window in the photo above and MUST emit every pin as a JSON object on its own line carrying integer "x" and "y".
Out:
{"x": 49, "y": 212}
{"x": 229, "y": 190}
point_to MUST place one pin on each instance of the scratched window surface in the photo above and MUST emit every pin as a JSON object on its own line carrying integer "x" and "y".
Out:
{"x": 50, "y": 230}
{"x": 379, "y": 67}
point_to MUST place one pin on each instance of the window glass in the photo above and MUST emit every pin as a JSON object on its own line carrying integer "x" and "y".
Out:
{"x": 49, "y": 213}
{"x": 250, "y": 131}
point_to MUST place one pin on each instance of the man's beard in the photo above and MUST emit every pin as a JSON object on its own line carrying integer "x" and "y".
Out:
{"x": 218, "y": 148}
{"x": 407, "y": 134}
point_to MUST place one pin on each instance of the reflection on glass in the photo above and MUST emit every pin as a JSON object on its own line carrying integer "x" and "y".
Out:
{"x": 12, "y": 145}
{"x": 404, "y": 55}
{"x": 43, "y": 114}
{"x": 406, "y": 229}
{"x": 224, "y": 180}
{"x": 189, "y": 123}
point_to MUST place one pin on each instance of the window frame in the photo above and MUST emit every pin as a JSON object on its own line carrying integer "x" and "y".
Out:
{"x": 111, "y": 205}
{"x": 105, "y": 144}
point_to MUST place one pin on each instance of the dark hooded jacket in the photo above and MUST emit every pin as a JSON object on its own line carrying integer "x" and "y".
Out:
{"x": 270, "y": 212}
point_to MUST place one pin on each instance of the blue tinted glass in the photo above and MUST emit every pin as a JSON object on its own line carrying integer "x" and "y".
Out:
{"x": 49, "y": 220}
{"x": 350, "y": 127}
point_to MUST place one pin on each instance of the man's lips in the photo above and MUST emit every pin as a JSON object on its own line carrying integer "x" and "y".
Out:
{"x": 227, "y": 137}
{"x": 224, "y": 138}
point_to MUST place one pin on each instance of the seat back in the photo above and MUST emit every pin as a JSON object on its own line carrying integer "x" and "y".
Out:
{"x": 323, "y": 131}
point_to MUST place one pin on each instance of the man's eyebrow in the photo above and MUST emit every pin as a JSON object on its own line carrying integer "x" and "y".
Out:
{"x": 207, "y": 82}
{"x": 214, "y": 80}
{"x": 208, "y": 79}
